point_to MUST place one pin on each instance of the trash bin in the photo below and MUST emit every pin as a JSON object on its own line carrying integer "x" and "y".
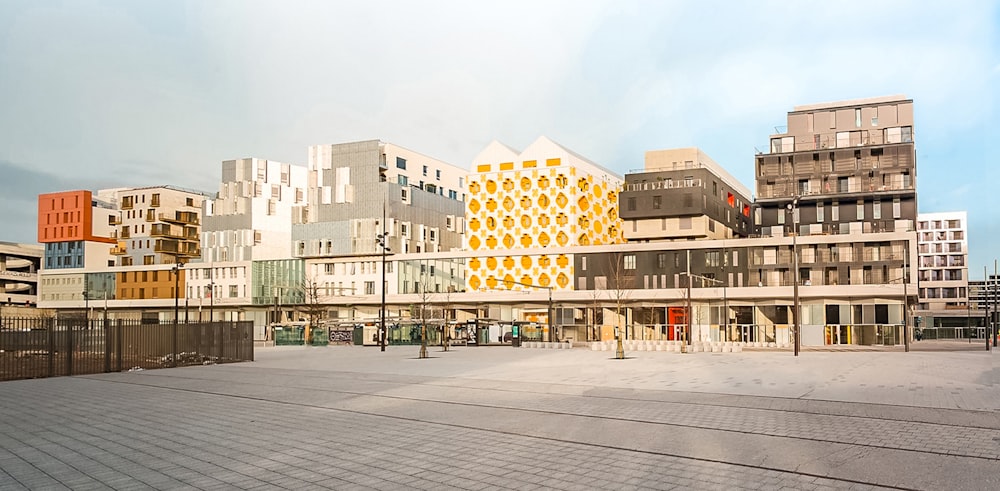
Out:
{"x": 320, "y": 336}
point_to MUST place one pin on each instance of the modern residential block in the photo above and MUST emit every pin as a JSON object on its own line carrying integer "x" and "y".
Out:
{"x": 683, "y": 194}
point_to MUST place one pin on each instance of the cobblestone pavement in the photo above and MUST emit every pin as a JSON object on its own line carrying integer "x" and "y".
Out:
{"x": 351, "y": 418}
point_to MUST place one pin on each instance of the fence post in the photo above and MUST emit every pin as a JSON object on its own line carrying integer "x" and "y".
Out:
{"x": 69, "y": 348}
{"x": 50, "y": 327}
{"x": 119, "y": 334}
{"x": 222, "y": 340}
{"x": 107, "y": 343}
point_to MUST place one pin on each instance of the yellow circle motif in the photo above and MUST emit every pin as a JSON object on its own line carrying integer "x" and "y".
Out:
{"x": 491, "y": 242}
{"x": 474, "y": 225}
{"x": 508, "y": 222}
{"x": 474, "y": 263}
{"x": 474, "y": 187}
{"x": 544, "y": 261}
{"x": 543, "y": 239}
{"x": 525, "y": 262}
{"x": 525, "y": 183}
{"x": 543, "y": 279}
{"x": 491, "y": 263}
{"x": 491, "y": 282}
{"x": 562, "y": 280}
{"x": 525, "y": 221}
{"x": 474, "y": 205}
{"x": 543, "y": 220}
{"x": 474, "y": 282}
{"x": 508, "y": 241}
{"x": 562, "y": 261}
{"x": 583, "y": 203}
{"x": 562, "y": 238}
{"x": 474, "y": 242}
{"x": 508, "y": 185}
{"x": 491, "y": 223}
{"x": 508, "y": 262}
{"x": 543, "y": 182}
{"x": 526, "y": 240}
{"x": 561, "y": 200}
{"x": 543, "y": 201}
{"x": 491, "y": 186}
{"x": 491, "y": 205}
{"x": 508, "y": 204}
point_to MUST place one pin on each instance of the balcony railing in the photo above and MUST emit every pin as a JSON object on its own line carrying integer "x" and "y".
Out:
{"x": 119, "y": 250}
{"x": 665, "y": 184}
{"x": 180, "y": 217}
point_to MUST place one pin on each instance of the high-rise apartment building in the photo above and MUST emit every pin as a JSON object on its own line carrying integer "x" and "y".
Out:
{"x": 351, "y": 186}
{"x": 850, "y": 166}
{"x": 943, "y": 262}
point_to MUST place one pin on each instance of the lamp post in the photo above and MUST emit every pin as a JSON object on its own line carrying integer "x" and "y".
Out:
{"x": 86, "y": 300}
{"x": 792, "y": 207}
{"x": 177, "y": 295}
{"x": 382, "y": 240}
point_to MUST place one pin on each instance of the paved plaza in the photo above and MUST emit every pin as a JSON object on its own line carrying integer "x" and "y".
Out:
{"x": 505, "y": 418}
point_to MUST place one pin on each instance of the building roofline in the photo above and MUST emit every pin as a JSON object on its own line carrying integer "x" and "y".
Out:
{"x": 851, "y": 103}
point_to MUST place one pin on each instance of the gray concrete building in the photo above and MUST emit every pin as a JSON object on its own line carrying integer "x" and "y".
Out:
{"x": 850, "y": 166}
{"x": 351, "y": 186}
{"x": 683, "y": 194}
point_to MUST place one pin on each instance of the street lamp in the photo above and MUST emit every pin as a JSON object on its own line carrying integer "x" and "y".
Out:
{"x": 795, "y": 274}
{"x": 177, "y": 295}
{"x": 382, "y": 241}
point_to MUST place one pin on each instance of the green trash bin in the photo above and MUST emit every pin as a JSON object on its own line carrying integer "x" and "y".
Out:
{"x": 320, "y": 336}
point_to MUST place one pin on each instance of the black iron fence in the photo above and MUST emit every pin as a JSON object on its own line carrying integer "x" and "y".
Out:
{"x": 33, "y": 347}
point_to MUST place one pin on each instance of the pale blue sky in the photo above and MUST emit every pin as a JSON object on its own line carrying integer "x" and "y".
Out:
{"x": 107, "y": 93}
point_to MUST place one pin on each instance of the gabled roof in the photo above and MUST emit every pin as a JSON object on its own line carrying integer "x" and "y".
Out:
{"x": 495, "y": 152}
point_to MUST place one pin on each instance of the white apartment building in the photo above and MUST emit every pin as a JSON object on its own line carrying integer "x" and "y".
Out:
{"x": 942, "y": 266}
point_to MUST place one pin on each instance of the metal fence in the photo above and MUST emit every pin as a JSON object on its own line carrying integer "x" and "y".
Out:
{"x": 33, "y": 347}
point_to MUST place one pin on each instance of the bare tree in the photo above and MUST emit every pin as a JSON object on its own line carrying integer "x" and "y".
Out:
{"x": 620, "y": 284}
{"x": 424, "y": 313}
{"x": 315, "y": 310}
{"x": 445, "y": 328}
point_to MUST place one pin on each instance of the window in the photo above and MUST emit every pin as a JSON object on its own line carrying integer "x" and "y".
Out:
{"x": 400, "y": 163}
{"x": 897, "y": 211}
{"x": 657, "y": 202}
{"x": 835, "y": 211}
{"x": 629, "y": 261}
{"x": 402, "y": 180}
{"x": 803, "y": 186}
{"x": 661, "y": 260}
{"x": 877, "y": 210}
{"x": 684, "y": 223}
{"x": 857, "y": 118}
{"x": 425, "y": 171}
{"x": 819, "y": 213}
{"x": 583, "y": 263}
{"x": 712, "y": 258}
{"x": 631, "y": 204}
{"x": 369, "y": 288}
{"x": 437, "y": 174}
{"x": 234, "y": 291}
{"x": 860, "y": 209}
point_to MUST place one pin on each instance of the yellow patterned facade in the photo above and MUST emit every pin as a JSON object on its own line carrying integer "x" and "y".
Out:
{"x": 543, "y": 198}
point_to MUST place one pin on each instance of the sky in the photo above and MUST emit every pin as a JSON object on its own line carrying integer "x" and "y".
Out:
{"x": 99, "y": 94}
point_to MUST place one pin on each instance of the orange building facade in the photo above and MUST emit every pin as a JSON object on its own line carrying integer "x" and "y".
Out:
{"x": 149, "y": 284}
{"x": 67, "y": 216}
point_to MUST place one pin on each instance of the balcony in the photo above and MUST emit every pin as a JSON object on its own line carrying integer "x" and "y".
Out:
{"x": 114, "y": 221}
{"x": 119, "y": 250}
{"x": 180, "y": 218}
{"x": 175, "y": 247}
{"x": 166, "y": 230}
